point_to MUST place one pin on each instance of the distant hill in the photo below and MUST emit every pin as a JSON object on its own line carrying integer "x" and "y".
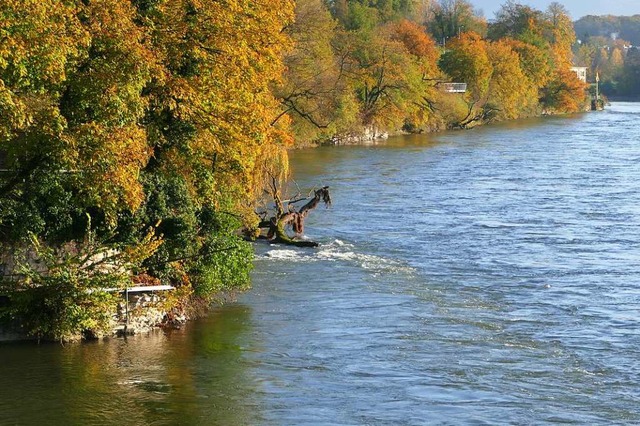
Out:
{"x": 626, "y": 27}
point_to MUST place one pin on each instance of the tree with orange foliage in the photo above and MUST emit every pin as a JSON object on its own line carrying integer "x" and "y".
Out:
{"x": 510, "y": 90}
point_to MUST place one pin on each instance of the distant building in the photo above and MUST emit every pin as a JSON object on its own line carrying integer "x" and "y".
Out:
{"x": 581, "y": 73}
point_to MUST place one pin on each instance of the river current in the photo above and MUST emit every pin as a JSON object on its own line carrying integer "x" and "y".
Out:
{"x": 489, "y": 276}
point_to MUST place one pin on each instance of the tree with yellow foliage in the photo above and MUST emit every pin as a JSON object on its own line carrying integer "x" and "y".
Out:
{"x": 124, "y": 116}
{"x": 510, "y": 90}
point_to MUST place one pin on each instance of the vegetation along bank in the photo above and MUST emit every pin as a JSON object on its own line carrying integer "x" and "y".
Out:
{"x": 137, "y": 138}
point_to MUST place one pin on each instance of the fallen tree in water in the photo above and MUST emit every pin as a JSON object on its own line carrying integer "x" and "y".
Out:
{"x": 274, "y": 224}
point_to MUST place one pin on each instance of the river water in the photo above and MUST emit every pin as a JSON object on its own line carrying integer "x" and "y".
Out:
{"x": 489, "y": 276}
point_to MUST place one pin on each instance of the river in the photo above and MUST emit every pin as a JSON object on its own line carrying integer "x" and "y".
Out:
{"x": 474, "y": 277}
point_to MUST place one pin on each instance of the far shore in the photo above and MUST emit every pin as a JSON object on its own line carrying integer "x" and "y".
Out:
{"x": 623, "y": 98}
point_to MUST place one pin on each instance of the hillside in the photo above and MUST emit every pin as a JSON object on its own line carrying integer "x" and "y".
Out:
{"x": 625, "y": 27}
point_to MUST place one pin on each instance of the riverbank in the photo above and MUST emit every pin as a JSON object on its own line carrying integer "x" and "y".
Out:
{"x": 371, "y": 135}
{"x": 145, "y": 313}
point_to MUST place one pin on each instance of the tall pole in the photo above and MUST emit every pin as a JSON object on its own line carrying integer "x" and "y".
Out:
{"x": 597, "y": 89}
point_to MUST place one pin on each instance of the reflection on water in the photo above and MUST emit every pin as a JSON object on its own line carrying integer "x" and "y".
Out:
{"x": 487, "y": 276}
{"x": 190, "y": 376}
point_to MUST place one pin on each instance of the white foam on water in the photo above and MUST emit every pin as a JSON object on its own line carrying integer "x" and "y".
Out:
{"x": 278, "y": 254}
{"x": 338, "y": 251}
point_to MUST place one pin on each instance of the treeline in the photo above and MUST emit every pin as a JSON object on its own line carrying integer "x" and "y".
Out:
{"x": 136, "y": 136}
{"x": 361, "y": 66}
{"x": 624, "y": 27}
{"x": 608, "y": 47}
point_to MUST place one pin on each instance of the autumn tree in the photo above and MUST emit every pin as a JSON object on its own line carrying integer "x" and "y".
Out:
{"x": 551, "y": 34}
{"x": 120, "y": 117}
{"x": 534, "y": 61}
{"x": 519, "y": 22}
{"x": 466, "y": 61}
{"x": 511, "y": 91}
{"x": 565, "y": 92}
{"x": 211, "y": 121}
{"x": 313, "y": 90}
{"x": 74, "y": 81}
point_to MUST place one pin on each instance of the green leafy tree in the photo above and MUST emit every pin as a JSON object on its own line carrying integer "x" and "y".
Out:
{"x": 630, "y": 81}
{"x": 450, "y": 18}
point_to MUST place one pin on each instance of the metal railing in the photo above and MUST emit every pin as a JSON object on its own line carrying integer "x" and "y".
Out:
{"x": 453, "y": 87}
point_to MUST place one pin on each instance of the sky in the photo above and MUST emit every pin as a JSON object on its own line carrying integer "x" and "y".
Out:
{"x": 576, "y": 8}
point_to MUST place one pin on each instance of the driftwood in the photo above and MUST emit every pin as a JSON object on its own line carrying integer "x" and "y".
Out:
{"x": 283, "y": 218}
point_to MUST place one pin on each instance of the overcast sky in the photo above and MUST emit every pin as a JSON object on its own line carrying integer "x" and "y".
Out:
{"x": 577, "y": 8}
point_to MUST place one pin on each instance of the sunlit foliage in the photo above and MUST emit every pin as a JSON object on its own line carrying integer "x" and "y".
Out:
{"x": 120, "y": 117}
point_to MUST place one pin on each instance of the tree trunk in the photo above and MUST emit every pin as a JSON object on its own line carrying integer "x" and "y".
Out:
{"x": 276, "y": 225}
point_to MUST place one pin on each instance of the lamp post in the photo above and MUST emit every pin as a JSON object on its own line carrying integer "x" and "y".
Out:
{"x": 597, "y": 89}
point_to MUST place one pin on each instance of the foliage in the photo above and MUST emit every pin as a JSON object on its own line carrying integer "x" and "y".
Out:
{"x": 124, "y": 115}
{"x": 630, "y": 80}
{"x": 375, "y": 67}
{"x": 625, "y": 27}
{"x": 606, "y": 49}
{"x": 449, "y": 18}
{"x": 543, "y": 40}
{"x": 510, "y": 88}
{"x": 314, "y": 90}
{"x": 58, "y": 293}
{"x": 467, "y": 61}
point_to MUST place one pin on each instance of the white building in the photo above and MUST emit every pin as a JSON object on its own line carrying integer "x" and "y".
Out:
{"x": 581, "y": 73}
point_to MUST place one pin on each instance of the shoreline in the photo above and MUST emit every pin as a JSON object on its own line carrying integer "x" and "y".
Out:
{"x": 148, "y": 318}
{"x": 623, "y": 98}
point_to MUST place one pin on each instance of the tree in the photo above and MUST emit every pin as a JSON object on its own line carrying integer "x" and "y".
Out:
{"x": 210, "y": 125}
{"x": 564, "y": 93}
{"x": 313, "y": 90}
{"x": 74, "y": 86}
{"x": 425, "y": 56}
{"x": 124, "y": 116}
{"x": 560, "y": 34}
{"x": 286, "y": 216}
{"x": 519, "y": 22}
{"x": 510, "y": 90}
{"x": 466, "y": 61}
{"x": 384, "y": 76}
{"x": 630, "y": 81}
{"x": 534, "y": 61}
{"x": 450, "y": 18}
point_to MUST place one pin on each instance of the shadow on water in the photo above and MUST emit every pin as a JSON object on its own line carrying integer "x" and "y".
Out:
{"x": 192, "y": 376}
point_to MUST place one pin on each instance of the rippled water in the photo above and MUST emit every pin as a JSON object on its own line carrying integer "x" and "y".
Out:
{"x": 480, "y": 277}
